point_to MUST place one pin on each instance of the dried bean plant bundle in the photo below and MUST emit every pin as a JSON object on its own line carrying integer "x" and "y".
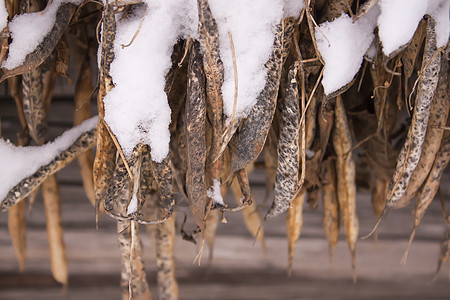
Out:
{"x": 190, "y": 93}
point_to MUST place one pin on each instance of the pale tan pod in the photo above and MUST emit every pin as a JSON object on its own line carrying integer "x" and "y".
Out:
{"x": 330, "y": 205}
{"x": 379, "y": 196}
{"x": 17, "y": 231}
{"x": 294, "y": 225}
{"x": 345, "y": 171}
{"x": 52, "y": 204}
{"x": 133, "y": 277}
{"x": 165, "y": 263}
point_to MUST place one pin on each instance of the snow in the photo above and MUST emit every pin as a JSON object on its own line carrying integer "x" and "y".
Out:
{"x": 132, "y": 206}
{"x": 17, "y": 162}
{"x": 399, "y": 19}
{"x": 342, "y": 45}
{"x": 215, "y": 193}
{"x": 3, "y": 15}
{"x": 137, "y": 108}
{"x": 439, "y": 11}
{"x": 398, "y": 22}
{"x": 29, "y": 30}
{"x": 251, "y": 24}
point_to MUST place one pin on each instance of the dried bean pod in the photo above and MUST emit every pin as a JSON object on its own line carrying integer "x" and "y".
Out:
{"x": 45, "y": 48}
{"x": 17, "y": 231}
{"x": 429, "y": 189}
{"x": 106, "y": 150}
{"x": 24, "y": 188}
{"x": 254, "y": 130}
{"x": 195, "y": 119}
{"x": 411, "y": 151}
{"x": 330, "y": 219}
{"x": 346, "y": 185}
{"x": 294, "y": 225}
{"x": 288, "y": 145}
{"x": 52, "y": 204}
{"x": 438, "y": 118}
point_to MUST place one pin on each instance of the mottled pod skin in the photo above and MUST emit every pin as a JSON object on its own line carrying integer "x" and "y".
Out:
{"x": 165, "y": 262}
{"x": 410, "y": 154}
{"x": 431, "y": 185}
{"x": 288, "y": 155}
{"x": 195, "y": 135}
{"x": 45, "y": 48}
{"x": 106, "y": 150}
{"x": 214, "y": 73}
{"x": 162, "y": 173}
{"x": 24, "y": 188}
{"x": 432, "y": 142}
{"x": 253, "y": 133}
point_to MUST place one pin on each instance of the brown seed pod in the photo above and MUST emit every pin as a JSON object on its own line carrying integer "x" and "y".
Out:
{"x": 346, "y": 186}
{"x": 429, "y": 189}
{"x": 165, "y": 264}
{"x": 294, "y": 225}
{"x": 17, "y": 231}
{"x": 437, "y": 120}
{"x": 195, "y": 122}
{"x": 45, "y": 48}
{"x": 127, "y": 176}
{"x": 62, "y": 58}
{"x": 133, "y": 279}
{"x": 411, "y": 53}
{"x": 444, "y": 254}
{"x": 52, "y": 204}
{"x": 162, "y": 235}
{"x": 288, "y": 154}
{"x": 270, "y": 161}
{"x": 330, "y": 205}
{"x": 106, "y": 149}
{"x": 16, "y": 214}
{"x": 27, "y": 185}
{"x": 326, "y": 121}
{"x": 379, "y": 196}
{"x": 179, "y": 156}
{"x": 379, "y": 190}
{"x": 253, "y": 133}
{"x": 411, "y": 151}
{"x": 214, "y": 70}
{"x": 242, "y": 178}
{"x": 162, "y": 172}
{"x": 34, "y": 107}
{"x": 119, "y": 181}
